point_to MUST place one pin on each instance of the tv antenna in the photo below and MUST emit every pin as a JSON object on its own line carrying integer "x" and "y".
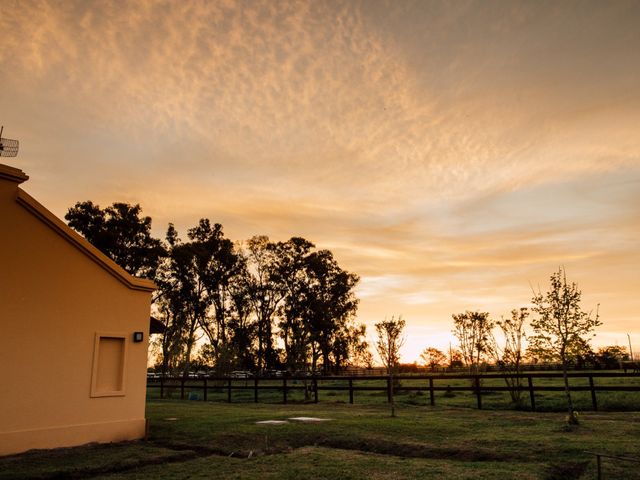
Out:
{"x": 8, "y": 147}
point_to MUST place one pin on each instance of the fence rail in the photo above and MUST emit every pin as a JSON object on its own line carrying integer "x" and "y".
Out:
{"x": 600, "y": 456}
{"x": 288, "y": 384}
{"x": 626, "y": 365}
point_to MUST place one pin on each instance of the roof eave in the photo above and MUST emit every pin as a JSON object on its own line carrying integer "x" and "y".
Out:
{"x": 78, "y": 241}
{"x": 13, "y": 174}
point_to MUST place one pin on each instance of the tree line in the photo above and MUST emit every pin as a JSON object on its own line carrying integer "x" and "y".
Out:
{"x": 261, "y": 305}
{"x": 559, "y": 331}
{"x": 257, "y": 305}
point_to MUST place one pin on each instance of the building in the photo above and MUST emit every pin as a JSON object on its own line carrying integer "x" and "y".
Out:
{"x": 74, "y": 330}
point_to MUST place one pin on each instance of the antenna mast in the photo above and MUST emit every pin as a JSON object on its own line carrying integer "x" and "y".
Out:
{"x": 8, "y": 147}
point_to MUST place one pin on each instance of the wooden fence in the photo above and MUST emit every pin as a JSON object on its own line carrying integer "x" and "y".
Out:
{"x": 618, "y": 458}
{"x": 476, "y": 385}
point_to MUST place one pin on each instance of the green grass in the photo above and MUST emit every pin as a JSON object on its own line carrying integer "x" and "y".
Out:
{"x": 81, "y": 462}
{"x": 216, "y": 440}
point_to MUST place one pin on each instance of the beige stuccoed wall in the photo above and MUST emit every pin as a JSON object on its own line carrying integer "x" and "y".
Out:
{"x": 54, "y": 298}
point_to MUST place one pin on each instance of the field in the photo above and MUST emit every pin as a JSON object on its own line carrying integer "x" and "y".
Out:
{"x": 191, "y": 439}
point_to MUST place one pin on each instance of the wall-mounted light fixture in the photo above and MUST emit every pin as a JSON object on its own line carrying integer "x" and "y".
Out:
{"x": 138, "y": 336}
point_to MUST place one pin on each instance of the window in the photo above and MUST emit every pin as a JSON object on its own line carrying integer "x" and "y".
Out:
{"x": 107, "y": 379}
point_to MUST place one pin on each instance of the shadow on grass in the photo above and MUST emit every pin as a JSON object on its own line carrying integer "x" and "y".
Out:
{"x": 565, "y": 471}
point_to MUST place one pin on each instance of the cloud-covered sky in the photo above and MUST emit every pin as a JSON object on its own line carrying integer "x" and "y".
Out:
{"x": 453, "y": 154}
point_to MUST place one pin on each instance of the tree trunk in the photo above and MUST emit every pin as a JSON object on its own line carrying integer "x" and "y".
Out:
{"x": 268, "y": 347}
{"x": 325, "y": 360}
{"x": 165, "y": 363}
{"x": 260, "y": 347}
{"x": 165, "y": 353}
{"x": 393, "y": 401}
{"x": 187, "y": 360}
{"x": 190, "y": 342}
{"x": 314, "y": 357}
{"x": 571, "y": 418}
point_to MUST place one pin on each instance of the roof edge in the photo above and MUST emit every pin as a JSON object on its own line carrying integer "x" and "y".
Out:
{"x": 78, "y": 241}
{"x": 12, "y": 174}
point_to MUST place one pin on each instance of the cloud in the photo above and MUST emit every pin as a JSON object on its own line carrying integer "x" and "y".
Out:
{"x": 449, "y": 153}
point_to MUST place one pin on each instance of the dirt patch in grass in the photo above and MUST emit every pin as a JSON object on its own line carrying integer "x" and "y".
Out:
{"x": 270, "y": 445}
{"x": 411, "y": 450}
{"x": 565, "y": 471}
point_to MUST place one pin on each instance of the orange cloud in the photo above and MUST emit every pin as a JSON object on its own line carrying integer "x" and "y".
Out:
{"x": 449, "y": 153}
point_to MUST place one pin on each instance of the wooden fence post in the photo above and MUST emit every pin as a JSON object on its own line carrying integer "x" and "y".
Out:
{"x": 389, "y": 400}
{"x": 228, "y": 390}
{"x": 532, "y": 394}
{"x": 255, "y": 390}
{"x": 432, "y": 397}
{"x": 594, "y": 401}
{"x": 478, "y": 394}
{"x": 350, "y": 391}
{"x": 182, "y": 388}
{"x": 315, "y": 390}
{"x": 204, "y": 395}
{"x": 162, "y": 386}
{"x": 284, "y": 390}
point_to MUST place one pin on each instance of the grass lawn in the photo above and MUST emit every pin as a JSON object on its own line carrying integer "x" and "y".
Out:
{"x": 192, "y": 439}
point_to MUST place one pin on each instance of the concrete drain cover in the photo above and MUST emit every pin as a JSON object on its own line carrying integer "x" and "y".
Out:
{"x": 309, "y": 419}
{"x": 272, "y": 422}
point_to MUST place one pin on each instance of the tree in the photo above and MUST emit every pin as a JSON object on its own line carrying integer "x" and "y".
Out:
{"x": 390, "y": 341}
{"x": 612, "y": 356}
{"x": 265, "y": 291}
{"x": 455, "y": 358}
{"x": 242, "y": 323}
{"x": 432, "y": 357}
{"x": 510, "y": 356}
{"x": 183, "y": 298}
{"x": 217, "y": 264}
{"x": 170, "y": 310}
{"x": 294, "y": 329}
{"x": 120, "y": 233}
{"x": 562, "y": 329}
{"x": 360, "y": 353}
{"x": 330, "y": 305}
{"x": 473, "y": 330}
{"x": 171, "y": 342}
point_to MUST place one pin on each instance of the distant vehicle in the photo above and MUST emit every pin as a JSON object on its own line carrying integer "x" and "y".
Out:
{"x": 241, "y": 374}
{"x": 307, "y": 373}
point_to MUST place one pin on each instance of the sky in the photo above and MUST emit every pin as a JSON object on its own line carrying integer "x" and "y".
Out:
{"x": 452, "y": 154}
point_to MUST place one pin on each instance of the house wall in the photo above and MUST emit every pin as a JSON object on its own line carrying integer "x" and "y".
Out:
{"x": 54, "y": 300}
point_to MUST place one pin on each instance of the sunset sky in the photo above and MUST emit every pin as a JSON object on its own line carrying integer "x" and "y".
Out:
{"x": 453, "y": 154}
